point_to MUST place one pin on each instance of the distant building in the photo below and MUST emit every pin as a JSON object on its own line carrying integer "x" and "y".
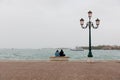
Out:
{"x": 107, "y": 48}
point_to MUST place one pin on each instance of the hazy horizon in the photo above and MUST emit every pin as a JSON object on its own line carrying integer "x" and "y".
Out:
{"x": 55, "y": 23}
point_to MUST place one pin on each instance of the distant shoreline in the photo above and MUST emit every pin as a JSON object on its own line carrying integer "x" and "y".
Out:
{"x": 104, "y": 47}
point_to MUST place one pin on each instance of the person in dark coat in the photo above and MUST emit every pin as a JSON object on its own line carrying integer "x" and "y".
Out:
{"x": 62, "y": 53}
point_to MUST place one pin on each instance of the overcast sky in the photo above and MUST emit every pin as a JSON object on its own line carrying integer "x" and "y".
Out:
{"x": 55, "y": 23}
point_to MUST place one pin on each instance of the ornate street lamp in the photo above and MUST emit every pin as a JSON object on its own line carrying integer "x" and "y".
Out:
{"x": 89, "y": 24}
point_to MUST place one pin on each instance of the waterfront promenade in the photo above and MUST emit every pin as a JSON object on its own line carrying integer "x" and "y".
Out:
{"x": 59, "y": 70}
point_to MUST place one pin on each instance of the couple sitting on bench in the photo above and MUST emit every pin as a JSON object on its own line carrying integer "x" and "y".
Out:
{"x": 59, "y": 54}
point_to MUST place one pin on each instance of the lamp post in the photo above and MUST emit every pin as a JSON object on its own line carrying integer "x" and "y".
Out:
{"x": 89, "y": 24}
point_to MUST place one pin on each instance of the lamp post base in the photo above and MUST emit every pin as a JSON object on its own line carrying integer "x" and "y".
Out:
{"x": 90, "y": 54}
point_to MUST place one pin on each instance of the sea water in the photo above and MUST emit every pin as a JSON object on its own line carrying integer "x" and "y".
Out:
{"x": 44, "y": 54}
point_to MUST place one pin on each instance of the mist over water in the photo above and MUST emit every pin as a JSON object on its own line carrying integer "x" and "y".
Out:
{"x": 56, "y": 23}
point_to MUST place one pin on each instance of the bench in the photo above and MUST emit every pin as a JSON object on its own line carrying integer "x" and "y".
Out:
{"x": 62, "y": 58}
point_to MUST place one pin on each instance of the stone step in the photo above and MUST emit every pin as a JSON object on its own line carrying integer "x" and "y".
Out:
{"x": 62, "y": 58}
